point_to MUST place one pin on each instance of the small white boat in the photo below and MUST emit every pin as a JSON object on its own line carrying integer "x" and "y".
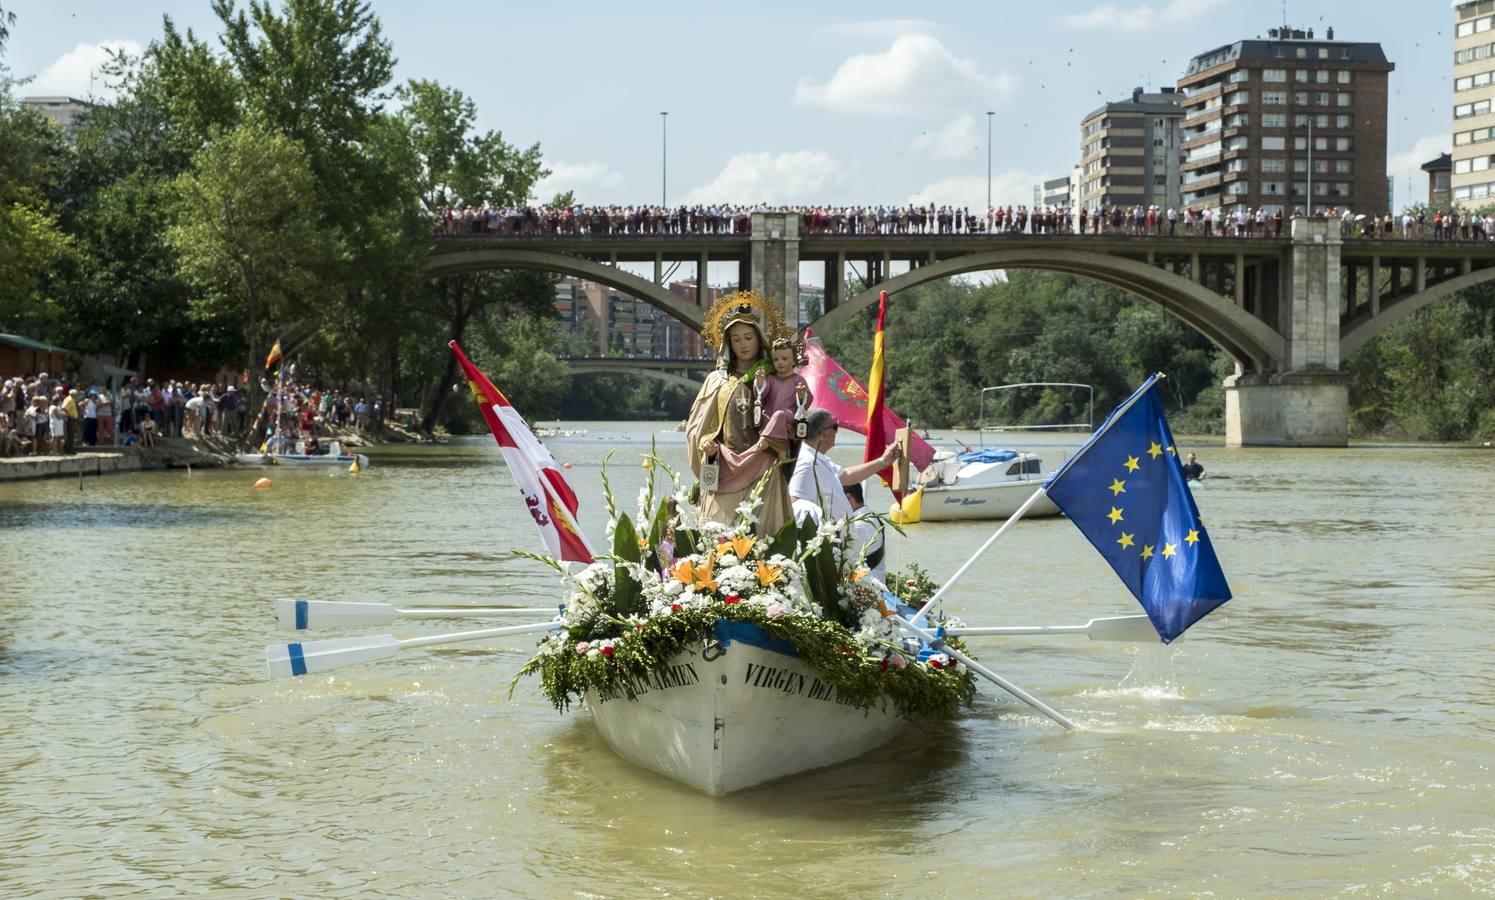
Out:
{"x": 990, "y": 483}
{"x": 333, "y": 457}
{"x": 753, "y": 714}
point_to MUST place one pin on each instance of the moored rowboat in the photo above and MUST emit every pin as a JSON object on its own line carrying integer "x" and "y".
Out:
{"x": 750, "y": 714}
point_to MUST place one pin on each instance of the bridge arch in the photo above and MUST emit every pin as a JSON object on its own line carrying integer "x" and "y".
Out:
{"x": 1358, "y": 333}
{"x": 488, "y": 258}
{"x": 1250, "y": 342}
{"x": 684, "y": 381}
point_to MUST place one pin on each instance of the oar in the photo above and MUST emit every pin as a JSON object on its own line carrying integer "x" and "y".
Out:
{"x": 287, "y": 660}
{"x": 299, "y": 615}
{"x": 984, "y": 672}
{"x": 1113, "y": 628}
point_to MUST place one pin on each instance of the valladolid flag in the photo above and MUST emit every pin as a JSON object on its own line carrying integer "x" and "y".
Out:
{"x": 846, "y": 400}
{"x": 1125, "y": 491}
{"x": 547, "y": 496}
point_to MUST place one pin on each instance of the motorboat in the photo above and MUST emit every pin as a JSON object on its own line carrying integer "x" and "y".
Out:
{"x": 333, "y": 457}
{"x": 990, "y": 483}
{"x": 749, "y": 713}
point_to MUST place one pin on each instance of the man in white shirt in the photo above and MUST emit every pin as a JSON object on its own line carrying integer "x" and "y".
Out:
{"x": 817, "y": 487}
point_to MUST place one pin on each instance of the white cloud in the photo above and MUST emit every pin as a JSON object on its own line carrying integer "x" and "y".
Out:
{"x": 916, "y": 74}
{"x": 1408, "y": 164}
{"x": 576, "y": 177}
{"x": 956, "y": 140}
{"x": 1141, "y": 18}
{"x": 878, "y": 28}
{"x": 80, "y": 71}
{"x": 1010, "y": 186}
{"x": 801, "y": 176}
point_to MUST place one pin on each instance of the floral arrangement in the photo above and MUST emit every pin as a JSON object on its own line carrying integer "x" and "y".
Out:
{"x": 665, "y": 586}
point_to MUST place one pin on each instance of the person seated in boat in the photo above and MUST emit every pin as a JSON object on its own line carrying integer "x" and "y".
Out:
{"x": 314, "y": 447}
{"x": 817, "y": 487}
{"x": 867, "y": 533}
{"x": 1193, "y": 471}
{"x": 784, "y": 389}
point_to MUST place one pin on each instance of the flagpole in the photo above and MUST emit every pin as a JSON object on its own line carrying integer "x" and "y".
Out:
{"x": 1021, "y": 511}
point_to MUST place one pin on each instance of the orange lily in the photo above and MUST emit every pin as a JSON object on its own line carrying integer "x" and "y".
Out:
{"x": 704, "y": 581}
{"x": 767, "y": 574}
{"x": 698, "y": 576}
{"x": 742, "y": 546}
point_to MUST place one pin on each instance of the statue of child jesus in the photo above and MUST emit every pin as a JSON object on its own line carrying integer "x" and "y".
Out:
{"x": 784, "y": 390}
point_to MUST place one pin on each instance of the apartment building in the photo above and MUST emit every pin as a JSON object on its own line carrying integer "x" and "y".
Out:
{"x": 1291, "y": 122}
{"x": 1130, "y": 152}
{"x": 1472, "y": 182}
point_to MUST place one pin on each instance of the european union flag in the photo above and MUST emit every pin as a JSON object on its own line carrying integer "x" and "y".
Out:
{"x": 1125, "y": 491}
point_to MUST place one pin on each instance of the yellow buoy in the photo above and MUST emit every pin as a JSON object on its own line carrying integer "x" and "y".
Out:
{"x": 262, "y": 484}
{"x": 353, "y": 469}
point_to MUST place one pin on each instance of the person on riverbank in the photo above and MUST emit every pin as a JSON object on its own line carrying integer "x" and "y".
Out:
{"x": 1193, "y": 471}
{"x": 818, "y": 487}
{"x": 729, "y": 451}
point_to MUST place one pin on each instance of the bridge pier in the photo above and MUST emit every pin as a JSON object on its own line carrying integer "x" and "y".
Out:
{"x": 1307, "y": 404}
{"x": 775, "y": 260}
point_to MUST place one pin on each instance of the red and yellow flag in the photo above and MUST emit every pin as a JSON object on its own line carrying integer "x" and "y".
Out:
{"x": 547, "y": 496}
{"x": 878, "y": 433}
{"x": 274, "y": 356}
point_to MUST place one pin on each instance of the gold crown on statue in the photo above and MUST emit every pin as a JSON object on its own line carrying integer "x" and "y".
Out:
{"x": 750, "y": 307}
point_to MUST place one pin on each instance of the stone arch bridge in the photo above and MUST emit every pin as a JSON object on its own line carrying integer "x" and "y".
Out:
{"x": 1287, "y": 310}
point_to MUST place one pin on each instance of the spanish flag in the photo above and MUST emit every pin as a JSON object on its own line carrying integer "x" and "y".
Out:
{"x": 878, "y": 434}
{"x": 548, "y": 498}
{"x": 275, "y": 355}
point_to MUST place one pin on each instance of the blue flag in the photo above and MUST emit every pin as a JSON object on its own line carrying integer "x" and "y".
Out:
{"x": 1125, "y": 491}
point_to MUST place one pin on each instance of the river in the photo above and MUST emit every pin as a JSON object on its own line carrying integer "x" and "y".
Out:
{"x": 1331, "y": 729}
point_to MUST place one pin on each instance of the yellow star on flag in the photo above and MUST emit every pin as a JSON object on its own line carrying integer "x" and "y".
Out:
{"x": 1132, "y": 464}
{"x": 1117, "y": 487}
{"x": 1155, "y": 450}
{"x": 1170, "y": 450}
{"x": 1192, "y": 537}
{"x": 1147, "y": 551}
{"x": 1125, "y": 540}
{"x": 1168, "y": 550}
{"x": 1114, "y": 515}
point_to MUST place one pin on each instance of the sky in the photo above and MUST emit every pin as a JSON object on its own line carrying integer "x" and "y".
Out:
{"x": 783, "y": 102}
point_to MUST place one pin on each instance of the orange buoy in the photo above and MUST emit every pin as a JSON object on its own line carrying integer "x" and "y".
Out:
{"x": 565, "y": 465}
{"x": 262, "y": 484}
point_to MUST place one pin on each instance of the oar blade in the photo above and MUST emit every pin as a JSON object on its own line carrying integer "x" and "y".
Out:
{"x": 311, "y": 657}
{"x": 1123, "y": 628}
{"x": 299, "y": 615}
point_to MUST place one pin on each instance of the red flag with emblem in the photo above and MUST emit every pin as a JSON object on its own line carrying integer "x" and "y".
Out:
{"x": 547, "y": 496}
{"x": 836, "y": 390}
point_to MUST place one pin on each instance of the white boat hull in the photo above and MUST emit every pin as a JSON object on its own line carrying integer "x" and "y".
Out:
{"x": 998, "y": 500}
{"x": 750, "y": 716}
{"x": 302, "y": 459}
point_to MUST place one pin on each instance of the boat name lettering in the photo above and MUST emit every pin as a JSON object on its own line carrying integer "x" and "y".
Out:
{"x": 682, "y": 675}
{"x": 787, "y": 681}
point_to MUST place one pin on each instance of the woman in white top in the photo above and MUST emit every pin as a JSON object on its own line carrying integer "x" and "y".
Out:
{"x": 59, "y": 427}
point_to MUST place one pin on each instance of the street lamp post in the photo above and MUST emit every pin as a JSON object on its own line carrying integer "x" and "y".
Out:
{"x": 989, "y": 114}
{"x": 664, "y": 156}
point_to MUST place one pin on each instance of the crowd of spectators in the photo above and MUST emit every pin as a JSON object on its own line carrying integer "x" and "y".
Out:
{"x": 45, "y": 415}
{"x": 1237, "y": 221}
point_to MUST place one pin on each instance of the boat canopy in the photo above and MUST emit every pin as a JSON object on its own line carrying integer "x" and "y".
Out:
{"x": 986, "y": 455}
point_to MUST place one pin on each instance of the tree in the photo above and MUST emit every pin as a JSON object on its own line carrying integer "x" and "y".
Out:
{"x": 246, "y": 239}
{"x": 31, "y": 245}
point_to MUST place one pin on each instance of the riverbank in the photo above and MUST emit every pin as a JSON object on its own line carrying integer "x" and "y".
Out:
{"x": 207, "y": 452}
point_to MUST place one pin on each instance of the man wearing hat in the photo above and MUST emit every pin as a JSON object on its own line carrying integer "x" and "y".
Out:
{"x": 816, "y": 490}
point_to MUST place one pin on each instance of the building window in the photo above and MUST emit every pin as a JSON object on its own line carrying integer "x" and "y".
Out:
{"x": 1300, "y": 143}
{"x": 1302, "y": 53}
{"x": 1341, "y": 167}
{"x": 1323, "y": 53}
{"x": 1341, "y": 189}
{"x": 1273, "y": 74}
{"x": 1273, "y": 143}
{"x": 1344, "y": 121}
{"x": 1274, "y": 98}
{"x": 1323, "y": 143}
{"x": 1300, "y": 165}
{"x": 1274, "y": 120}
{"x": 1322, "y": 99}
{"x": 1300, "y": 99}
{"x": 1300, "y": 75}
{"x": 1301, "y": 120}
{"x": 1321, "y": 76}
{"x": 1344, "y": 76}
{"x": 1321, "y": 167}
{"x": 1238, "y": 98}
{"x": 1273, "y": 187}
{"x": 1238, "y": 76}
{"x": 1344, "y": 98}
{"x": 1273, "y": 165}
{"x": 1238, "y": 143}
{"x": 1343, "y": 145}
{"x": 1321, "y": 121}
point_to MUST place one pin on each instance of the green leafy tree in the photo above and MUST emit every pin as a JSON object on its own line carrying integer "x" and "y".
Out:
{"x": 246, "y": 239}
